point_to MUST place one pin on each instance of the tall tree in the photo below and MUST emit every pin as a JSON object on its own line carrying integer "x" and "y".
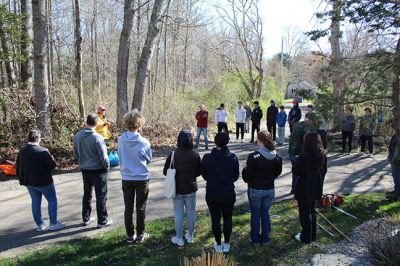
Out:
{"x": 144, "y": 63}
{"x": 123, "y": 61}
{"x": 5, "y": 39}
{"x": 26, "y": 44}
{"x": 78, "y": 59}
{"x": 40, "y": 66}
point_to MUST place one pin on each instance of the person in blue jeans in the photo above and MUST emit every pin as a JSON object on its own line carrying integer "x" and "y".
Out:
{"x": 202, "y": 126}
{"x": 34, "y": 165}
{"x": 262, "y": 168}
{"x": 186, "y": 162}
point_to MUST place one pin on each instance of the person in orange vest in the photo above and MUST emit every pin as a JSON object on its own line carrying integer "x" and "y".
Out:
{"x": 102, "y": 124}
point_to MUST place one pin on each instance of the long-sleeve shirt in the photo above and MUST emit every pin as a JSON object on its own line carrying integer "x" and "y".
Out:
{"x": 240, "y": 115}
{"x": 221, "y": 116}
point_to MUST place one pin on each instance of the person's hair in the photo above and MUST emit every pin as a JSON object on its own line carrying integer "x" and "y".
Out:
{"x": 91, "y": 119}
{"x": 34, "y": 135}
{"x": 265, "y": 137}
{"x": 256, "y": 102}
{"x": 349, "y": 108}
{"x": 239, "y": 102}
{"x": 133, "y": 120}
{"x": 368, "y": 109}
{"x": 185, "y": 139}
{"x": 221, "y": 139}
{"x": 281, "y": 107}
{"x": 222, "y": 105}
{"x": 310, "y": 106}
{"x": 313, "y": 144}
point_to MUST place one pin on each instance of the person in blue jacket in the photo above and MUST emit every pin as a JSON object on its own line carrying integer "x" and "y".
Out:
{"x": 281, "y": 119}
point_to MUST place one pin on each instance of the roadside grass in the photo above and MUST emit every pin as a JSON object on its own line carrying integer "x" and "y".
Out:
{"x": 110, "y": 248}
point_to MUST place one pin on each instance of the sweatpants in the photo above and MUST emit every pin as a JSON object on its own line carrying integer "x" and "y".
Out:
{"x": 308, "y": 221}
{"x": 217, "y": 209}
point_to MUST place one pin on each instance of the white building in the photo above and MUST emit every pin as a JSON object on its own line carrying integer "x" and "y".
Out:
{"x": 291, "y": 90}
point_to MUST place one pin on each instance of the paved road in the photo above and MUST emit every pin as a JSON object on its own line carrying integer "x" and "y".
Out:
{"x": 346, "y": 174}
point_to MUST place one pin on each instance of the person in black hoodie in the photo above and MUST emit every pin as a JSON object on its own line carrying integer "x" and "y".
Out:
{"x": 311, "y": 168}
{"x": 220, "y": 169}
{"x": 256, "y": 116}
{"x": 262, "y": 167}
{"x": 272, "y": 112}
{"x": 294, "y": 115}
{"x": 187, "y": 164}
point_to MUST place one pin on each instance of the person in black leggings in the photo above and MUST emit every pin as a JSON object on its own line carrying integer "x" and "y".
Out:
{"x": 220, "y": 169}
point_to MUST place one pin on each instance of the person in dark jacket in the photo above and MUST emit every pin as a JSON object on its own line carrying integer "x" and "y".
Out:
{"x": 311, "y": 168}
{"x": 187, "y": 164}
{"x": 348, "y": 127}
{"x": 294, "y": 115}
{"x": 256, "y": 116}
{"x": 262, "y": 167}
{"x": 367, "y": 127}
{"x": 248, "y": 117}
{"x": 272, "y": 112}
{"x": 220, "y": 169}
{"x": 394, "y": 159}
{"x": 202, "y": 126}
{"x": 34, "y": 165}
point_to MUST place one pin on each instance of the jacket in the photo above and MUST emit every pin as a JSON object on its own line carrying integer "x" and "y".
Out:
{"x": 248, "y": 111}
{"x": 202, "y": 119}
{"x": 272, "y": 111}
{"x": 134, "y": 156}
{"x": 394, "y": 157}
{"x": 262, "y": 167}
{"x": 294, "y": 114}
{"x": 90, "y": 151}
{"x": 186, "y": 163}
{"x": 102, "y": 128}
{"x": 34, "y": 165}
{"x": 367, "y": 125}
{"x": 256, "y": 115}
{"x": 220, "y": 169}
{"x": 221, "y": 116}
{"x": 349, "y": 123}
{"x": 297, "y": 137}
{"x": 281, "y": 118}
{"x": 240, "y": 115}
{"x": 310, "y": 184}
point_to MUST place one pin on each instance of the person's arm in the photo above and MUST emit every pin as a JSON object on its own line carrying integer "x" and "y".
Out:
{"x": 102, "y": 152}
{"x": 203, "y": 168}
{"x": 236, "y": 172}
{"x": 18, "y": 168}
{"x": 75, "y": 150}
{"x": 148, "y": 153}
{"x": 298, "y": 168}
{"x": 298, "y": 115}
{"x": 248, "y": 170}
{"x": 278, "y": 169}
{"x": 167, "y": 164}
{"x": 205, "y": 116}
{"x": 48, "y": 161}
{"x": 373, "y": 123}
{"x": 198, "y": 165}
{"x": 197, "y": 116}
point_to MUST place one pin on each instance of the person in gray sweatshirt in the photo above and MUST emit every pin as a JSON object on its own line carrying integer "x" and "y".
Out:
{"x": 134, "y": 156}
{"x": 91, "y": 153}
{"x": 348, "y": 127}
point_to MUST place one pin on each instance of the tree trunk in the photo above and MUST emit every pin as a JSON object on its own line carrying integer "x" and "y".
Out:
{"x": 40, "y": 67}
{"x": 50, "y": 43}
{"x": 7, "y": 54}
{"x": 26, "y": 45}
{"x": 78, "y": 59}
{"x": 123, "y": 61}
{"x": 337, "y": 79}
{"x": 145, "y": 58}
{"x": 396, "y": 89}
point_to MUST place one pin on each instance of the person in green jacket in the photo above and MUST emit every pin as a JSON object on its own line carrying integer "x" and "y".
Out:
{"x": 367, "y": 126}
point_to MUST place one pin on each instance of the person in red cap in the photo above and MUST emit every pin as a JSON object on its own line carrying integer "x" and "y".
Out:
{"x": 102, "y": 124}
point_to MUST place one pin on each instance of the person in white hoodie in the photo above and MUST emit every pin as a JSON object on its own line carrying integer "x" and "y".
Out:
{"x": 240, "y": 117}
{"x": 134, "y": 155}
{"x": 221, "y": 118}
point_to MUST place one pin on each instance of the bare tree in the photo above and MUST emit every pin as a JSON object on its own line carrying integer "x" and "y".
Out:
{"x": 6, "y": 51}
{"x": 26, "y": 44}
{"x": 78, "y": 59}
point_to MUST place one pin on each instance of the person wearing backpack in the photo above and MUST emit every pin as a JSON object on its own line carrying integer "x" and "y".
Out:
{"x": 311, "y": 168}
{"x": 262, "y": 167}
{"x": 220, "y": 169}
{"x": 394, "y": 159}
{"x": 186, "y": 162}
{"x": 134, "y": 155}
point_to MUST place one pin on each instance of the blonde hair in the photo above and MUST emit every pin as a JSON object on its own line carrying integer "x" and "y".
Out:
{"x": 133, "y": 120}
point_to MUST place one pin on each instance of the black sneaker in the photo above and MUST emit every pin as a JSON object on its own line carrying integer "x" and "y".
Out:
{"x": 108, "y": 223}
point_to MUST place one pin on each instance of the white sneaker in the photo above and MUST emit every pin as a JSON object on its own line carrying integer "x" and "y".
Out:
{"x": 297, "y": 237}
{"x": 42, "y": 227}
{"x": 177, "y": 241}
{"x": 189, "y": 239}
{"x": 91, "y": 220}
{"x": 57, "y": 226}
{"x": 218, "y": 248}
{"x": 108, "y": 223}
{"x": 142, "y": 238}
{"x": 226, "y": 247}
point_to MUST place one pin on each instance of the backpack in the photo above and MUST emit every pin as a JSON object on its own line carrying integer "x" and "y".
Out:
{"x": 113, "y": 158}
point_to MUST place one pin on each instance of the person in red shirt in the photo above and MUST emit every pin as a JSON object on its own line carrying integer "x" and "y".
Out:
{"x": 202, "y": 125}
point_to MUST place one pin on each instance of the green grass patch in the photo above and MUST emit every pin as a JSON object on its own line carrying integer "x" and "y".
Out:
{"x": 110, "y": 247}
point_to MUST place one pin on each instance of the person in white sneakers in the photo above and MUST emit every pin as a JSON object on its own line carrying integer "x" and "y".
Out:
{"x": 221, "y": 119}
{"x": 240, "y": 117}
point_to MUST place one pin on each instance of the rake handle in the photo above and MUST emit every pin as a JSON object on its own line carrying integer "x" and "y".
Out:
{"x": 337, "y": 229}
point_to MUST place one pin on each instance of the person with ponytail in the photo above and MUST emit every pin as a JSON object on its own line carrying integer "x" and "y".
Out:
{"x": 311, "y": 168}
{"x": 262, "y": 167}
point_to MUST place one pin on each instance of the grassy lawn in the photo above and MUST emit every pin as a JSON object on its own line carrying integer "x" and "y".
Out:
{"x": 110, "y": 248}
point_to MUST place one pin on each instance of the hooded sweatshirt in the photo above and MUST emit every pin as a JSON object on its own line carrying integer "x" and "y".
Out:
{"x": 134, "y": 156}
{"x": 348, "y": 123}
{"x": 240, "y": 115}
{"x": 261, "y": 169}
{"x": 90, "y": 151}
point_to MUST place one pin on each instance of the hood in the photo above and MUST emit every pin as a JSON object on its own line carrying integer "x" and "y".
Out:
{"x": 269, "y": 155}
{"x": 130, "y": 138}
{"x": 223, "y": 153}
{"x": 185, "y": 139}
{"x": 88, "y": 132}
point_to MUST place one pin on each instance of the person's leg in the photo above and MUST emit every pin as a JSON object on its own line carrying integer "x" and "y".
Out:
{"x": 247, "y": 126}
{"x": 205, "y": 133}
{"x": 274, "y": 131}
{"x": 363, "y": 142}
{"x": 198, "y": 132}
{"x": 350, "y": 141}
{"x": 396, "y": 177}
{"x": 219, "y": 127}
{"x": 313, "y": 221}
{"x": 179, "y": 211}
{"x": 237, "y": 131}
{"x": 87, "y": 196}
{"x": 290, "y": 127}
{"x": 253, "y": 128}
{"x": 344, "y": 136}
{"x": 226, "y": 128}
{"x": 258, "y": 128}
{"x": 227, "y": 211}
{"x": 49, "y": 192}
{"x": 142, "y": 193}
{"x": 269, "y": 128}
{"x": 370, "y": 144}
{"x": 215, "y": 213}
{"x": 254, "y": 196}
{"x": 305, "y": 221}
{"x": 241, "y": 131}
{"x": 129, "y": 198}
{"x": 36, "y": 197}
{"x": 266, "y": 201}
{"x": 100, "y": 188}
{"x": 190, "y": 206}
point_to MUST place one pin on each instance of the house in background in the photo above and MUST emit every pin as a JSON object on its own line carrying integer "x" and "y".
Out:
{"x": 293, "y": 88}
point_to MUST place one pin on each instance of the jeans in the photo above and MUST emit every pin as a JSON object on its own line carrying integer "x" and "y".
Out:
{"x": 281, "y": 135}
{"x": 49, "y": 192}
{"x": 293, "y": 160}
{"x": 272, "y": 129}
{"x": 239, "y": 126}
{"x": 99, "y": 182}
{"x": 364, "y": 140}
{"x": 184, "y": 202}
{"x": 254, "y": 127}
{"x": 218, "y": 208}
{"x": 346, "y": 135}
{"x": 260, "y": 201}
{"x": 223, "y": 126}
{"x": 308, "y": 221}
{"x": 140, "y": 190}
{"x": 247, "y": 125}
{"x": 205, "y": 134}
{"x": 396, "y": 176}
